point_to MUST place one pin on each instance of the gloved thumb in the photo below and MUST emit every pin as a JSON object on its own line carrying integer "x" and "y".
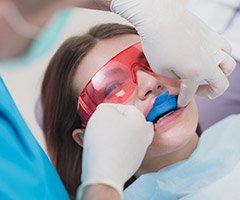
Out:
{"x": 188, "y": 89}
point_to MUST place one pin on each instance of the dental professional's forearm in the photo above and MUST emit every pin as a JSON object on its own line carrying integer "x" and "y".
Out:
{"x": 55, "y": 5}
{"x": 93, "y": 4}
{"x": 103, "y": 4}
{"x": 100, "y": 192}
{"x": 38, "y": 12}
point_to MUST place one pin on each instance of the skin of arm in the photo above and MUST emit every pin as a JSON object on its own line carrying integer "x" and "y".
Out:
{"x": 100, "y": 192}
{"x": 39, "y": 12}
{"x": 31, "y": 7}
{"x": 94, "y": 4}
{"x": 103, "y": 4}
{"x": 36, "y": 13}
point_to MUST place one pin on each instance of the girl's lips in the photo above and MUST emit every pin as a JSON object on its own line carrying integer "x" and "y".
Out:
{"x": 149, "y": 106}
{"x": 169, "y": 120}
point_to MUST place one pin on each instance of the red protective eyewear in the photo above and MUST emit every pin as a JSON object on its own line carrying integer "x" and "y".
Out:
{"x": 115, "y": 82}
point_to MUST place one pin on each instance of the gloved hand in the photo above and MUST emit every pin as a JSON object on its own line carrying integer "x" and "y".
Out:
{"x": 178, "y": 44}
{"x": 115, "y": 142}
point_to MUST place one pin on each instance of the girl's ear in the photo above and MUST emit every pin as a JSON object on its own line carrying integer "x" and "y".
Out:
{"x": 78, "y": 135}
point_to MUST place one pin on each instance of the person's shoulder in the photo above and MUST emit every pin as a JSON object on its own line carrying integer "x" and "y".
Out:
{"x": 21, "y": 155}
{"x": 9, "y": 114}
{"x": 5, "y": 98}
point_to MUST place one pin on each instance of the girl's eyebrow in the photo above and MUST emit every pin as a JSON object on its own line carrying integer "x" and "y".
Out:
{"x": 114, "y": 71}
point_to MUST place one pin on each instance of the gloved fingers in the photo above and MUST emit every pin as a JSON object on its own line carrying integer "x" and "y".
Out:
{"x": 121, "y": 109}
{"x": 188, "y": 88}
{"x": 151, "y": 132}
{"x": 166, "y": 72}
{"x": 217, "y": 84}
{"x": 105, "y": 108}
{"x": 135, "y": 115}
{"x": 106, "y": 105}
{"x": 225, "y": 45}
{"x": 130, "y": 111}
{"x": 226, "y": 63}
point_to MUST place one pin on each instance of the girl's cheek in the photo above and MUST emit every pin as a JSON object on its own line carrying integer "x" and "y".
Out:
{"x": 173, "y": 85}
{"x": 172, "y": 82}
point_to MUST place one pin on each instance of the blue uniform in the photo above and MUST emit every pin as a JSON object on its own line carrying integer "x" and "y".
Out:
{"x": 25, "y": 171}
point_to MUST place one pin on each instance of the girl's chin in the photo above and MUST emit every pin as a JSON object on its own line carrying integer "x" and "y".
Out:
{"x": 170, "y": 142}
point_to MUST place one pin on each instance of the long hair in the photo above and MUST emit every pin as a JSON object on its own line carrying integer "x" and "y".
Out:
{"x": 59, "y": 102}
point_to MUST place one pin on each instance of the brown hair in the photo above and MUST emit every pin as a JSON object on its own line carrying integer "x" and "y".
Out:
{"x": 59, "y": 101}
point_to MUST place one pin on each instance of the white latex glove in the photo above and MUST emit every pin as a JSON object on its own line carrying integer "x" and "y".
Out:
{"x": 178, "y": 44}
{"x": 115, "y": 142}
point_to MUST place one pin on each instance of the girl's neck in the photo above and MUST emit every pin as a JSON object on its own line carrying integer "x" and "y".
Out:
{"x": 162, "y": 161}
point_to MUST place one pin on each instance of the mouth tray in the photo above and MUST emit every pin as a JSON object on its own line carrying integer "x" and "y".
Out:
{"x": 163, "y": 104}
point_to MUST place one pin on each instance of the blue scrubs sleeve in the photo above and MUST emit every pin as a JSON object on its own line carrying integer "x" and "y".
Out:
{"x": 25, "y": 171}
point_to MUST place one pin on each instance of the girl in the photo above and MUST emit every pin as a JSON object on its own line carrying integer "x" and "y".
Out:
{"x": 94, "y": 68}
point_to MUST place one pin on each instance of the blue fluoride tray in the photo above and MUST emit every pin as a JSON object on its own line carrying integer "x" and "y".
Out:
{"x": 162, "y": 105}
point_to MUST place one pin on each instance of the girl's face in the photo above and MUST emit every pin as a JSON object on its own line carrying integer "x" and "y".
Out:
{"x": 173, "y": 132}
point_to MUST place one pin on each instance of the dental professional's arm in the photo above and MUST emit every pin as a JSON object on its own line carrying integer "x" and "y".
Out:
{"x": 100, "y": 192}
{"x": 111, "y": 154}
{"x": 175, "y": 42}
{"x": 95, "y": 4}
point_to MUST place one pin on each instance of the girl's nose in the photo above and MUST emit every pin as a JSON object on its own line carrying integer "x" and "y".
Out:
{"x": 148, "y": 85}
